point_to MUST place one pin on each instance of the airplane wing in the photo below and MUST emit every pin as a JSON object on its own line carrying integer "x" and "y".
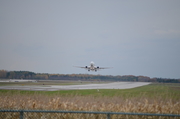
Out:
{"x": 104, "y": 67}
{"x": 81, "y": 67}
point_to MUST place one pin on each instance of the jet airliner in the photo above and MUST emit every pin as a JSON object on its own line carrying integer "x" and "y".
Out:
{"x": 92, "y": 67}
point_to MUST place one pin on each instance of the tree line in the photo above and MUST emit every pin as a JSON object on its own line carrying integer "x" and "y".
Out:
{"x": 41, "y": 76}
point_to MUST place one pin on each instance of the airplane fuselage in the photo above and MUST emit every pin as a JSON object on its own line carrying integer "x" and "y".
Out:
{"x": 92, "y": 67}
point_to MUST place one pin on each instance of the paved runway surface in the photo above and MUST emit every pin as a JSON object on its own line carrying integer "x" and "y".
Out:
{"x": 114, "y": 85}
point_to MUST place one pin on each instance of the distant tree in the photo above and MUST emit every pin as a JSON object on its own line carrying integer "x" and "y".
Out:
{"x": 3, "y": 73}
{"x": 32, "y": 75}
{"x": 143, "y": 78}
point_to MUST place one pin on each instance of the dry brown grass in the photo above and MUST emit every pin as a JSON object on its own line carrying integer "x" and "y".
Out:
{"x": 88, "y": 103}
{"x": 85, "y": 103}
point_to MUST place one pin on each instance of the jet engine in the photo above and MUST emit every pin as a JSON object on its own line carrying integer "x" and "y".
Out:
{"x": 97, "y": 67}
{"x": 86, "y": 66}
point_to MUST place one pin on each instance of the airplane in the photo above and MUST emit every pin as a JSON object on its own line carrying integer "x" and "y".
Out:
{"x": 92, "y": 67}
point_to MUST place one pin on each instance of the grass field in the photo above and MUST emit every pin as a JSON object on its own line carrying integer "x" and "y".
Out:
{"x": 153, "y": 98}
{"x": 157, "y": 90}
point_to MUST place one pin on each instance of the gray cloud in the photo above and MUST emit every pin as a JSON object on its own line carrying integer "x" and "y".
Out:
{"x": 134, "y": 37}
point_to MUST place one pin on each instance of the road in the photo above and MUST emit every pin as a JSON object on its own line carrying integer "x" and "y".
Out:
{"x": 114, "y": 85}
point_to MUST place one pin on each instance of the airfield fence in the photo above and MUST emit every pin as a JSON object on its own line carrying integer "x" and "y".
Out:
{"x": 50, "y": 114}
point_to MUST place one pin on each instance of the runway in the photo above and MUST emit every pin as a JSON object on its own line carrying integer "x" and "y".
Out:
{"x": 114, "y": 85}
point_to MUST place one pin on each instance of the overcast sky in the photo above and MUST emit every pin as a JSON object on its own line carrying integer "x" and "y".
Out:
{"x": 135, "y": 37}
